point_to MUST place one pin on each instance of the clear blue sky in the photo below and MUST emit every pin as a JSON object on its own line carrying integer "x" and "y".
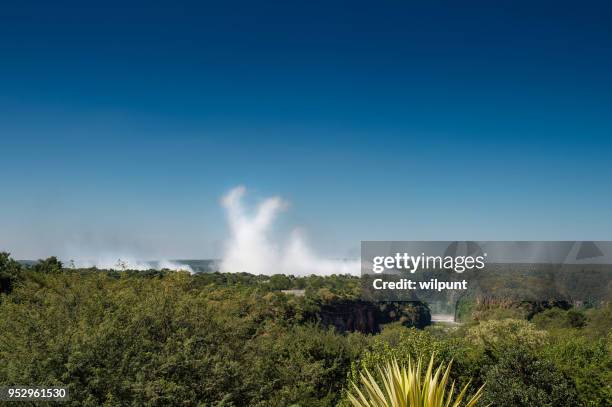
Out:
{"x": 121, "y": 124}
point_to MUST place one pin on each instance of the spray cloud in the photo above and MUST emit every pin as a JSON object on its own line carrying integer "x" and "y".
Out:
{"x": 250, "y": 248}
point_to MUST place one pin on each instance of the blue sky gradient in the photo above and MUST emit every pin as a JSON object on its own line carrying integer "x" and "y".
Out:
{"x": 122, "y": 125}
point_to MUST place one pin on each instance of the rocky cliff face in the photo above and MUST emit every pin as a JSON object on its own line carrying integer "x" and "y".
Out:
{"x": 366, "y": 317}
{"x": 350, "y": 316}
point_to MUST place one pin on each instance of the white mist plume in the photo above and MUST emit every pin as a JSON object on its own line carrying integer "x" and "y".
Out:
{"x": 251, "y": 250}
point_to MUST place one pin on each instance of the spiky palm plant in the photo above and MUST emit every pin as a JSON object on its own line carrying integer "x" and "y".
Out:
{"x": 403, "y": 387}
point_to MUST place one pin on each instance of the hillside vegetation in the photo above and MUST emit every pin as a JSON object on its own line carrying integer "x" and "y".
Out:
{"x": 164, "y": 338}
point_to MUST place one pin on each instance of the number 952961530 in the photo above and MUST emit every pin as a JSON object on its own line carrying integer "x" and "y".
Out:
{"x": 8, "y": 393}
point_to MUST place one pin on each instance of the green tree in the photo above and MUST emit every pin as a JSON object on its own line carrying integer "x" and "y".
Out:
{"x": 48, "y": 265}
{"x": 520, "y": 379}
{"x": 10, "y": 272}
{"x": 587, "y": 361}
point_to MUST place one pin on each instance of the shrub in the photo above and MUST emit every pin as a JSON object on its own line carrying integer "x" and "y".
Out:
{"x": 520, "y": 379}
{"x": 556, "y": 318}
{"x": 408, "y": 387}
{"x": 507, "y": 333}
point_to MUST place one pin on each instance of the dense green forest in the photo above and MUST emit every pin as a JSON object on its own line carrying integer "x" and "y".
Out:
{"x": 170, "y": 338}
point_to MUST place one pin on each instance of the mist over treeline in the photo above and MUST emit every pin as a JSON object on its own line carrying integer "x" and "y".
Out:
{"x": 251, "y": 246}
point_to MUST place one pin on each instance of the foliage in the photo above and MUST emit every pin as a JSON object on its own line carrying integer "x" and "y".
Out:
{"x": 214, "y": 339}
{"x": 166, "y": 341}
{"x": 401, "y": 344}
{"x": 506, "y": 333}
{"x": 558, "y": 318}
{"x": 10, "y": 272}
{"x": 408, "y": 387}
{"x": 519, "y": 378}
{"x": 522, "y": 366}
{"x": 48, "y": 265}
{"x": 599, "y": 321}
{"x": 587, "y": 361}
